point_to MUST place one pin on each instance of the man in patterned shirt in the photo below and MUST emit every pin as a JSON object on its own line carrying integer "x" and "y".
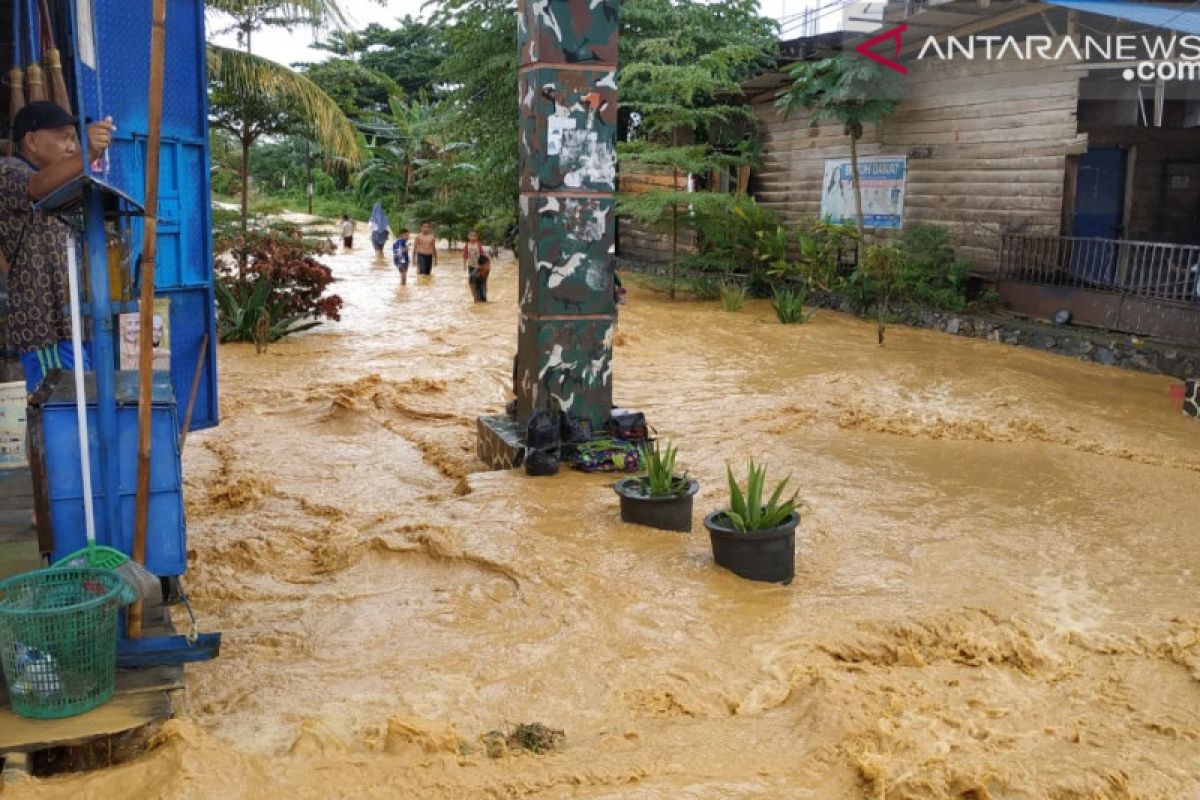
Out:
{"x": 34, "y": 245}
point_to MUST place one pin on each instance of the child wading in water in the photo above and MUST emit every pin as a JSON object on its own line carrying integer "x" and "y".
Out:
{"x": 425, "y": 248}
{"x": 474, "y": 256}
{"x": 400, "y": 255}
{"x": 347, "y": 232}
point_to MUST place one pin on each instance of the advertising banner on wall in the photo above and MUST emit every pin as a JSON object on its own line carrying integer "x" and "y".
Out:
{"x": 882, "y": 190}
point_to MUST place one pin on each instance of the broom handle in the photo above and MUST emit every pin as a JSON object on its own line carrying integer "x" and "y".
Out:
{"x": 146, "y": 305}
{"x": 85, "y": 459}
{"x": 31, "y": 20}
{"x": 45, "y": 28}
{"x": 16, "y": 77}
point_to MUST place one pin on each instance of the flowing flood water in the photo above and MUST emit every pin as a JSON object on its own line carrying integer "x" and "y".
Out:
{"x": 995, "y": 591}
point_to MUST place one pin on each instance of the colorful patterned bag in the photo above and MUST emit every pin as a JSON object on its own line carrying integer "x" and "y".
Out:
{"x": 605, "y": 455}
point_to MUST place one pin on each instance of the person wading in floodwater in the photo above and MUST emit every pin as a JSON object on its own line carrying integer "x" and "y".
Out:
{"x": 380, "y": 229}
{"x": 347, "y": 232}
{"x": 425, "y": 247}
{"x": 400, "y": 255}
{"x": 35, "y": 244}
{"x": 474, "y": 255}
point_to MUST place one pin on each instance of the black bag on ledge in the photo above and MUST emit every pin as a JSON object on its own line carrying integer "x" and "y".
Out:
{"x": 628, "y": 425}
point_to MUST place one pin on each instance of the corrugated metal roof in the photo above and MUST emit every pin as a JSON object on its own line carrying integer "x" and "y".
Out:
{"x": 1183, "y": 18}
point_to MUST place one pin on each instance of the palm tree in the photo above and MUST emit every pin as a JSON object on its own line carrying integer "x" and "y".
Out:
{"x": 403, "y": 139}
{"x": 253, "y": 96}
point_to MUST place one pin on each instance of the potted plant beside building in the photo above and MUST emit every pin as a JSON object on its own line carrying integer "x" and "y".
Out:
{"x": 660, "y": 498}
{"x": 756, "y": 538}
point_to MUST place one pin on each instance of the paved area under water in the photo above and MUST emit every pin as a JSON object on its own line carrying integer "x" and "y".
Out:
{"x": 995, "y": 595}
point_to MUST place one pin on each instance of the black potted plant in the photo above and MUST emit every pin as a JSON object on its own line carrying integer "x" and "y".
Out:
{"x": 660, "y": 498}
{"x": 753, "y": 538}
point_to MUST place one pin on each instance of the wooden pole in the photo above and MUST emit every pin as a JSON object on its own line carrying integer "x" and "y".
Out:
{"x": 146, "y": 303}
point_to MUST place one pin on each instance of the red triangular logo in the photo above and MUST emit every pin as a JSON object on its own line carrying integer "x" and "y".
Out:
{"x": 894, "y": 33}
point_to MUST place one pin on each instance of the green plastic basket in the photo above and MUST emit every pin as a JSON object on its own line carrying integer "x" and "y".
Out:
{"x": 58, "y": 639}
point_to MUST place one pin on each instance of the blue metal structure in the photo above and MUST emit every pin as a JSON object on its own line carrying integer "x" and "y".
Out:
{"x": 105, "y": 48}
{"x": 118, "y": 88}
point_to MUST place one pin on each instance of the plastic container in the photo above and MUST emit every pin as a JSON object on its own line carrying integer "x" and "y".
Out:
{"x": 671, "y": 513}
{"x": 768, "y": 555}
{"x": 58, "y": 639}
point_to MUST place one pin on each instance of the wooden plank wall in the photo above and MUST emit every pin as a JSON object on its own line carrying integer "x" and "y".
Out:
{"x": 1000, "y": 133}
{"x": 640, "y": 242}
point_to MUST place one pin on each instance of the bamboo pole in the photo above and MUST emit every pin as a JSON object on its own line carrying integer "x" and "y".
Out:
{"x": 146, "y": 303}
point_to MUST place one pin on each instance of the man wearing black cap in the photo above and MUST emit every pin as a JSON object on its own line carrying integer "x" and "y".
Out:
{"x": 34, "y": 244}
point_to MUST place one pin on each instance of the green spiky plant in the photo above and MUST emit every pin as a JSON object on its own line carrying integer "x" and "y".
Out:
{"x": 660, "y": 479}
{"x": 733, "y": 297}
{"x": 747, "y": 511}
{"x": 789, "y": 306}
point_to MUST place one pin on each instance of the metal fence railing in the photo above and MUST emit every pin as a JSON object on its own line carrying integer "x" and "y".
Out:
{"x": 1156, "y": 270}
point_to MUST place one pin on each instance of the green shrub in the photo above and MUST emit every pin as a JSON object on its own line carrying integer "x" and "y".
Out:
{"x": 226, "y": 182}
{"x": 881, "y": 274}
{"x": 789, "y": 306}
{"x": 932, "y": 275}
{"x": 705, "y": 288}
{"x": 733, "y": 297}
{"x": 921, "y": 269}
{"x": 270, "y": 287}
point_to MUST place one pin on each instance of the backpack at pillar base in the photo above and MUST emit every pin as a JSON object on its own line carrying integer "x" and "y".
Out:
{"x": 542, "y": 443}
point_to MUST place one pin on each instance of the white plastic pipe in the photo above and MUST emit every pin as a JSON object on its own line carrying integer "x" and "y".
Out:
{"x": 85, "y": 459}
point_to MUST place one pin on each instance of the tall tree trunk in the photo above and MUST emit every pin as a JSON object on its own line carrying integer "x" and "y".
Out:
{"x": 308, "y": 164}
{"x": 247, "y": 30}
{"x": 245, "y": 171}
{"x": 674, "y": 243}
{"x": 858, "y": 212}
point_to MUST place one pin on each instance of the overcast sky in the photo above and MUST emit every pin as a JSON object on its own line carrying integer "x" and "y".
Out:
{"x": 288, "y": 48}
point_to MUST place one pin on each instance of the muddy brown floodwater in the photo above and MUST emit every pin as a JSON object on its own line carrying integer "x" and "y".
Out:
{"x": 995, "y": 591}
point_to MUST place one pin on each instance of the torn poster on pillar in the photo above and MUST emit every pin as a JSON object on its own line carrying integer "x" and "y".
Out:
{"x": 568, "y": 142}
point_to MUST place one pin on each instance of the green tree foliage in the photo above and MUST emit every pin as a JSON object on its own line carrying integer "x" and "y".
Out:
{"x": 360, "y": 93}
{"x": 410, "y": 55}
{"x": 251, "y": 97}
{"x": 482, "y": 110}
{"x": 682, "y": 63}
{"x": 846, "y": 88}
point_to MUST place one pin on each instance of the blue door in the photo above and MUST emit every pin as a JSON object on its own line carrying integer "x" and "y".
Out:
{"x": 1099, "y": 213}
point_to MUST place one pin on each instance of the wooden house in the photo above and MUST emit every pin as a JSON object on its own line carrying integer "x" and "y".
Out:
{"x": 1062, "y": 151}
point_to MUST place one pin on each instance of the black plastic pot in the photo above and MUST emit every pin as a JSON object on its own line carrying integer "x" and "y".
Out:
{"x": 768, "y": 555}
{"x": 672, "y": 513}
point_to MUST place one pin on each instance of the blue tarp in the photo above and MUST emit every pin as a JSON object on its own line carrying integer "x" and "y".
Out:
{"x": 1183, "y": 18}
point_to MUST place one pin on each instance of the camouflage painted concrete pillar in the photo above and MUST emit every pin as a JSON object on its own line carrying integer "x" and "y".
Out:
{"x": 568, "y": 95}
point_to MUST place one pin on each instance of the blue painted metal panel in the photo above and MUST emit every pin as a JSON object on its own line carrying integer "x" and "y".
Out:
{"x": 1177, "y": 18}
{"x": 184, "y": 263}
{"x": 166, "y": 544}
